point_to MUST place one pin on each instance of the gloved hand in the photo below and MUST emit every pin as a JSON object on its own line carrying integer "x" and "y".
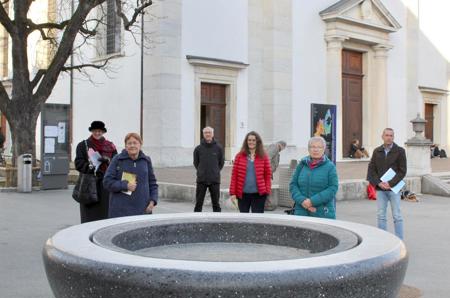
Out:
{"x": 104, "y": 159}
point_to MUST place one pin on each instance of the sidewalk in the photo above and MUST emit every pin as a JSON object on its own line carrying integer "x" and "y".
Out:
{"x": 28, "y": 220}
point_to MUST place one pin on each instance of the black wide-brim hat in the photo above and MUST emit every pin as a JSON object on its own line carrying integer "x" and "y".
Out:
{"x": 97, "y": 125}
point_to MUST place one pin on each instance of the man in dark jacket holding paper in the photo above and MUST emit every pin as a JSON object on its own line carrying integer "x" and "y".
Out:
{"x": 388, "y": 156}
{"x": 208, "y": 160}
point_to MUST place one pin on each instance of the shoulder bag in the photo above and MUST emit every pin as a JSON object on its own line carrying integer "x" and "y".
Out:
{"x": 85, "y": 190}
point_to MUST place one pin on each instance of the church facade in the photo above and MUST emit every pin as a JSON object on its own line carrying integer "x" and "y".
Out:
{"x": 259, "y": 65}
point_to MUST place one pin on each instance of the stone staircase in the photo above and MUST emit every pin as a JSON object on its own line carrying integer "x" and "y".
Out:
{"x": 436, "y": 184}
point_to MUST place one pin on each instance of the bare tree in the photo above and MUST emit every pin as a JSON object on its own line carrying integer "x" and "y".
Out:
{"x": 65, "y": 35}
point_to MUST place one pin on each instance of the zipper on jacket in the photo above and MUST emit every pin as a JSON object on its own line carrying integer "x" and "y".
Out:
{"x": 134, "y": 163}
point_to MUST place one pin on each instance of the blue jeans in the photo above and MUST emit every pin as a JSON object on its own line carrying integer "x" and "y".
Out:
{"x": 383, "y": 197}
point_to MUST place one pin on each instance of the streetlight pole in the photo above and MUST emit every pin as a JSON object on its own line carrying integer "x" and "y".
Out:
{"x": 142, "y": 77}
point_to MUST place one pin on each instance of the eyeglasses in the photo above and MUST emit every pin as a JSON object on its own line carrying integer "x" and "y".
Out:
{"x": 316, "y": 147}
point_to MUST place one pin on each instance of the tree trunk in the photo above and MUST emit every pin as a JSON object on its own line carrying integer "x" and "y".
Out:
{"x": 22, "y": 123}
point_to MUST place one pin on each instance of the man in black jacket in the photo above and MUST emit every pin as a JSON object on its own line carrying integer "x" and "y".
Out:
{"x": 388, "y": 155}
{"x": 208, "y": 160}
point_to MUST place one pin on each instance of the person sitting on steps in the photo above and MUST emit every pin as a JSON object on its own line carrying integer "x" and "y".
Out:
{"x": 357, "y": 151}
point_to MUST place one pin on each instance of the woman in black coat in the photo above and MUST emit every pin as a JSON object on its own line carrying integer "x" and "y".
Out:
{"x": 104, "y": 151}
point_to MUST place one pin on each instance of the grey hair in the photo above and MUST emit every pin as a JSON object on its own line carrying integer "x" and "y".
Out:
{"x": 208, "y": 127}
{"x": 282, "y": 143}
{"x": 317, "y": 140}
{"x": 388, "y": 129}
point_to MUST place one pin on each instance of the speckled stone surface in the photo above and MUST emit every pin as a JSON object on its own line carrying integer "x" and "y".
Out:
{"x": 325, "y": 258}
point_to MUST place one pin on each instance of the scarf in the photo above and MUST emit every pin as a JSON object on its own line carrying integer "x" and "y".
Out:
{"x": 313, "y": 163}
{"x": 104, "y": 148}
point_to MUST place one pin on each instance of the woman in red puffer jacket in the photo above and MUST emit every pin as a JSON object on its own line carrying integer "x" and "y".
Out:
{"x": 251, "y": 176}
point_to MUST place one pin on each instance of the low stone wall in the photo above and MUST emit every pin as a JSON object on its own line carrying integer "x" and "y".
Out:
{"x": 348, "y": 190}
{"x": 10, "y": 176}
{"x": 183, "y": 192}
{"x": 357, "y": 189}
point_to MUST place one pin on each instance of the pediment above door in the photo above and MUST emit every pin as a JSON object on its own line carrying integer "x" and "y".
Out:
{"x": 370, "y": 14}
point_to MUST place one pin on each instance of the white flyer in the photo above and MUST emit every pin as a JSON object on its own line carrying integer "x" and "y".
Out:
{"x": 388, "y": 177}
{"x": 49, "y": 146}
{"x": 61, "y": 132}
{"x": 398, "y": 187}
{"x": 50, "y": 131}
{"x": 93, "y": 158}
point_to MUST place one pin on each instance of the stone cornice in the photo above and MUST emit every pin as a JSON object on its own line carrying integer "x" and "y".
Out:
{"x": 434, "y": 90}
{"x": 361, "y": 23}
{"x": 214, "y": 62}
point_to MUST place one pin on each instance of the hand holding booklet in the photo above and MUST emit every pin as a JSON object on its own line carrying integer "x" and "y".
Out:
{"x": 131, "y": 178}
{"x": 388, "y": 177}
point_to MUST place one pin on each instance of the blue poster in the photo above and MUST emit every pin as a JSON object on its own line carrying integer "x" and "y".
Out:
{"x": 323, "y": 124}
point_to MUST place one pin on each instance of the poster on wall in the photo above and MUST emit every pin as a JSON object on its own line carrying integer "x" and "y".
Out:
{"x": 323, "y": 124}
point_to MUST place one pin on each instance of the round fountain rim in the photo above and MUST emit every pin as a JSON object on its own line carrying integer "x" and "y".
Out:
{"x": 105, "y": 236}
{"x": 375, "y": 243}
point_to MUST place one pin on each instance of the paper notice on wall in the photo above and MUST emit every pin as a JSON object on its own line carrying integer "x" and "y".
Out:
{"x": 50, "y": 131}
{"x": 61, "y": 132}
{"x": 49, "y": 146}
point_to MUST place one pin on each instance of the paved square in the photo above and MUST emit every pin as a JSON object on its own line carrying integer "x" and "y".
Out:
{"x": 27, "y": 220}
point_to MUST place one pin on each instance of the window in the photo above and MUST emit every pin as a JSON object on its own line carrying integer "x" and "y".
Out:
{"x": 4, "y": 50}
{"x": 109, "y": 31}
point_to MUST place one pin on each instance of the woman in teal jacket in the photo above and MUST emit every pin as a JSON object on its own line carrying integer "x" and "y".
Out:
{"x": 314, "y": 184}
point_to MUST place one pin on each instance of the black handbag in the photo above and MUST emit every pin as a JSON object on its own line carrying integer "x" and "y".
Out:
{"x": 85, "y": 190}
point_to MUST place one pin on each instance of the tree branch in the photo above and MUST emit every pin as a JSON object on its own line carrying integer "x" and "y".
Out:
{"x": 21, "y": 8}
{"x": 5, "y": 19}
{"x": 59, "y": 26}
{"x": 4, "y": 100}
{"x": 64, "y": 50}
{"x": 37, "y": 77}
{"x": 81, "y": 66}
{"x": 137, "y": 11}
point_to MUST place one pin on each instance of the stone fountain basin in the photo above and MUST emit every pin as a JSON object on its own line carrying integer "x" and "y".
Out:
{"x": 224, "y": 255}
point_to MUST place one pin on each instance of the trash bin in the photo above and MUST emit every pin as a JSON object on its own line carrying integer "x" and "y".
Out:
{"x": 24, "y": 173}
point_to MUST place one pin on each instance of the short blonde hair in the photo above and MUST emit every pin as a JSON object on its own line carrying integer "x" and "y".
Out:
{"x": 133, "y": 135}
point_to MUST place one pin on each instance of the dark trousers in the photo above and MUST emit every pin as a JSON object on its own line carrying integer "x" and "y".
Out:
{"x": 200, "y": 192}
{"x": 253, "y": 201}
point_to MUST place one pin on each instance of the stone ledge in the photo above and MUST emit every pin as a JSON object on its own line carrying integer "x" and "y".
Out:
{"x": 354, "y": 189}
